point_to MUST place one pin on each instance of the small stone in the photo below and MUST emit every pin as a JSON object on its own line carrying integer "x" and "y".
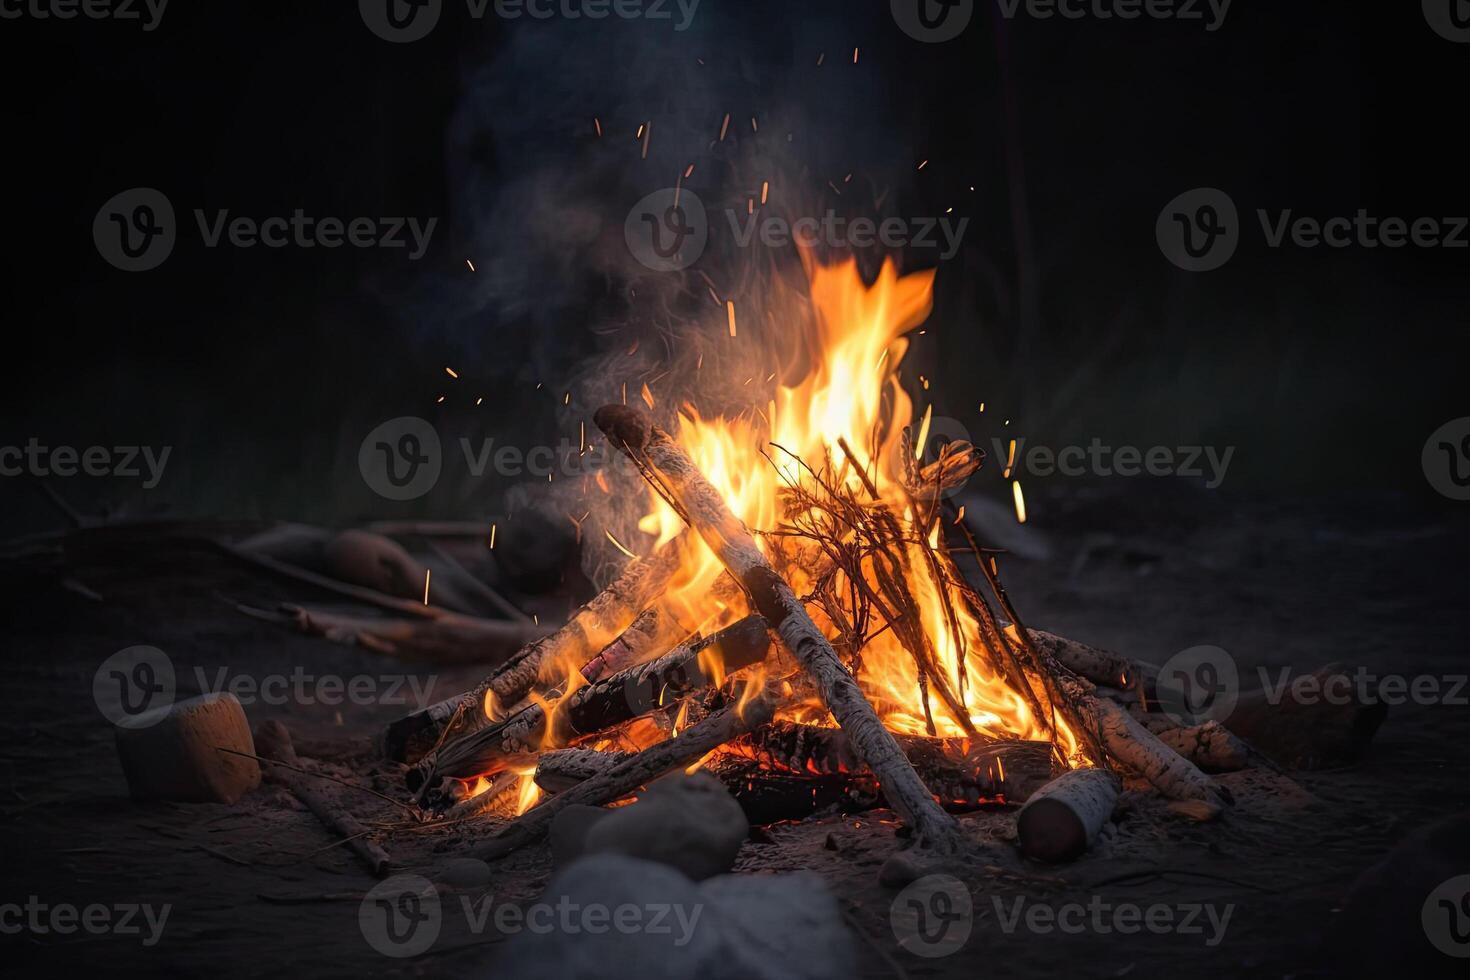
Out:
{"x": 779, "y": 927}
{"x": 172, "y": 752}
{"x": 691, "y": 823}
{"x": 609, "y": 915}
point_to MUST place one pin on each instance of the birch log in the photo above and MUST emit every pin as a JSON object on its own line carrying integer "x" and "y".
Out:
{"x": 595, "y": 625}
{"x": 672, "y": 473}
{"x": 1062, "y": 819}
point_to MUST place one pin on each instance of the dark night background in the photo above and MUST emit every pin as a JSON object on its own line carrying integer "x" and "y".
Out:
{"x": 1326, "y": 368}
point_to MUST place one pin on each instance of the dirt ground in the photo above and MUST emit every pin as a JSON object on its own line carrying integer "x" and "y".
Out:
{"x": 258, "y": 889}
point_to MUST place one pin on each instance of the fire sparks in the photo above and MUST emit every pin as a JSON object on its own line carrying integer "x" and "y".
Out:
{"x": 1020, "y": 502}
{"x": 851, "y": 394}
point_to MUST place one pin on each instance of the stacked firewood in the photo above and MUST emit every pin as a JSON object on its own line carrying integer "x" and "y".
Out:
{"x": 652, "y": 699}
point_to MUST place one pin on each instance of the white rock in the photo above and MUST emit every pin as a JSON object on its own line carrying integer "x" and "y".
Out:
{"x": 691, "y": 823}
{"x": 732, "y": 927}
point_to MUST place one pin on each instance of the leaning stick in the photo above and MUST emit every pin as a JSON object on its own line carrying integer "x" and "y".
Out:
{"x": 604, "y": 704}
{"x": 1133, "y": 745}
{"x": 636, "y": 770}
{"x": 273, "y": 742}
{"x": 671, "y": 472}
{"x": 596, "y": 624}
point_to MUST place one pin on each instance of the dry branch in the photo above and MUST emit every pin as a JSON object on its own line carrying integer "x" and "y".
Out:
{"x": 273, "y": 742}
{"x": 604, "y": 704}
{"x": 595, "y": 625}
{"x": 673, "y": 474}
{"x": 636, "y": 770}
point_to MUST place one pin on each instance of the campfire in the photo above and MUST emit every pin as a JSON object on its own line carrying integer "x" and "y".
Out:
{"x": 809, "y": 619}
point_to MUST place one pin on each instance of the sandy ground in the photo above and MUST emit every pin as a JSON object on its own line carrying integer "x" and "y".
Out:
{"x": 257, "y": 889}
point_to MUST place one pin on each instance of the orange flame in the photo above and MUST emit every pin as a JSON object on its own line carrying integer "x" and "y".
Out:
{"x": 851, "y": 391}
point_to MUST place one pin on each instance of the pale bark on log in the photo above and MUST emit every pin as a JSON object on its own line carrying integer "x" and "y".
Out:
{"x": 671, "y": 472}
{"x": 1098, "y": 666}
{"x": 635, "y": 771}
{"x": 1062, "y": 819}
{"x": 596, "y": 624}
{"x": 1128, "y": 742}
{"x": 1210, "y": 746}
{"x": 611, "y": 701}
{"x": 560, "y": 769}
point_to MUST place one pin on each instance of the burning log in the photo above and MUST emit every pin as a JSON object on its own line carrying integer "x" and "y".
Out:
{"x": 593, "y": 627}
{"x": 611, "y": 701}
{"x": 958, "y": 771}
{"x": 603, "y": 619}
{"x": 1063, "y": 818}
{"x": 273, "y": 742}
{"x": 636, "y": 770}
{"x": 668, "y": 468}
{"x": 1098, "y": 666}
{"x": 560, "y": 769}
